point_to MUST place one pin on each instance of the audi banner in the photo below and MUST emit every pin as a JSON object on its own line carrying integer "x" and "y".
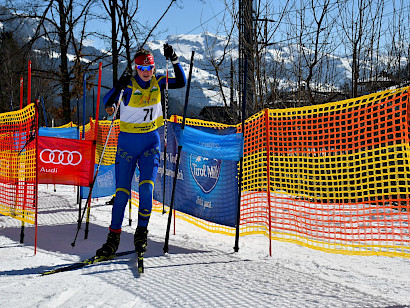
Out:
{"x": 65, "y": 161}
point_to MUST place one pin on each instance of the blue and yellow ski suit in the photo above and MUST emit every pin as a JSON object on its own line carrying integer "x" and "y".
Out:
{"x": 138, "y": 140}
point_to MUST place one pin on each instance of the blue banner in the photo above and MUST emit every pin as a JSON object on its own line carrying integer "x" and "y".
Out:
{"x": 207, "y": 186}
{"x": 225, "y": 147}
{"x": 59, "y": 132}
{"x": 104, "y": 183}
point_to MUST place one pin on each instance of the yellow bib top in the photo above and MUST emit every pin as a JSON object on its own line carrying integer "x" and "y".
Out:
{"x": 143, "y": 113}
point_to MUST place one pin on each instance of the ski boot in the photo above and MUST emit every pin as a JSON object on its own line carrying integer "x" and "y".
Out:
{"x": 140, "y": 243}
{"x": 140, "y": 239}
{"x": 111, "y": 202}
{"x": 110, "y": 247}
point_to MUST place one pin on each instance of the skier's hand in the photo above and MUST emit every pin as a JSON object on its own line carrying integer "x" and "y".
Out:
{"x": 169, "y": 52}
{"x": 110, "y": 110}
{"x": 124, "y": 81}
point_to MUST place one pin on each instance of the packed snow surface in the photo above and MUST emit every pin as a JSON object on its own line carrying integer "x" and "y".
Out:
{"x": 200, "y": 270}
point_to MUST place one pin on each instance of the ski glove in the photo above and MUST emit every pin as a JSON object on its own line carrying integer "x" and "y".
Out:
{"x": 170, "y": 54}
{"x": 124, "y": 81}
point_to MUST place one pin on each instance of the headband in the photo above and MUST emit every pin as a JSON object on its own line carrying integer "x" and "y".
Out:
{"x": 144, "y": 60}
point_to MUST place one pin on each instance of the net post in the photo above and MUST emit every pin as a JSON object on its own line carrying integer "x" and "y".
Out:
{"x": 267, "y": 129}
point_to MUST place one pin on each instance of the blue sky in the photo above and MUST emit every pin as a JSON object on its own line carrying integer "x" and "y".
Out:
{"x": 197, "y": 16}
{"x": 184, "y": 16}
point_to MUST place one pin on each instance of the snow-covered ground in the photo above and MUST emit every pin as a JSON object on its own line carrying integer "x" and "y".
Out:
{"x": 201, "y": 269}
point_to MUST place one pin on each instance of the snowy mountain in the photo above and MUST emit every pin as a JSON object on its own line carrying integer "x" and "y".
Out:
{"x": 204, "y": 91}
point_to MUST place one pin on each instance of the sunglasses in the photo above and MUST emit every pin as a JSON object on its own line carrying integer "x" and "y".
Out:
{"x": 145, "y": 67}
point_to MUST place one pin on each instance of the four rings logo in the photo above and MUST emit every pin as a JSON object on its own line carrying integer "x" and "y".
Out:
{"x": 58, "y": 157}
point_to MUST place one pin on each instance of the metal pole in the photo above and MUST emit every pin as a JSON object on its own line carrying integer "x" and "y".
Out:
{"x": 238, "y": 215}
{"x": 44, "y": 111}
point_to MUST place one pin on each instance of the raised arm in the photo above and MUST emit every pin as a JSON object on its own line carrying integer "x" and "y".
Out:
{"x": 179, "y": 80}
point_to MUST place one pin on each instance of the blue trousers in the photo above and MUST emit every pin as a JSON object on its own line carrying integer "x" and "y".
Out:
{"x": 135, "y": 150}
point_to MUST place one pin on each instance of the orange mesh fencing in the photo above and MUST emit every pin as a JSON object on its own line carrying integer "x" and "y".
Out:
{"x": 103, "y": 129}
{"x": 338, "y": 175}
{"x": 332, "y": 177}
{"x": 18, "y": 164}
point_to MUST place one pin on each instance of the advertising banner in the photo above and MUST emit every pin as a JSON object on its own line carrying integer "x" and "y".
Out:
{"x": 207, "y": 183}
{"x": 65, "y": 161}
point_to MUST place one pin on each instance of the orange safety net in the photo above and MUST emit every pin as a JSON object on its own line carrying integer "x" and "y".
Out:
{"x": 338, "y": 175}
{"x": 18, "y": 164}
{"x": 102, "y": 133}
{"x": 332, "y": 177}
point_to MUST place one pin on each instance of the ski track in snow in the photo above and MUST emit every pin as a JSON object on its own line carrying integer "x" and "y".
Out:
{"x": 201, "y": 269}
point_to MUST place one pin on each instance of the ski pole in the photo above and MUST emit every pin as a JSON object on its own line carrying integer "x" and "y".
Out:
{"x": 130, "y": 210}
{"x": 95, "y": 175}
{"x": 165, "y": 137}
{"x": 178, "y": 155}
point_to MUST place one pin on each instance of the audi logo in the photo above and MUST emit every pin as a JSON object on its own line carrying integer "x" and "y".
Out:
{"x": 58, "y": 157}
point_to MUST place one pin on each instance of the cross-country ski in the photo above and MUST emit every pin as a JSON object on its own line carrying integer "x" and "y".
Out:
{"x": 86, "y": 262}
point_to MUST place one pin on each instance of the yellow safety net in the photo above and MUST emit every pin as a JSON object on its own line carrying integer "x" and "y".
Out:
{"x": 18, "y": 164}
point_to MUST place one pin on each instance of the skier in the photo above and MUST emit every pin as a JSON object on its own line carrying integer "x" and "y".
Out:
{"x": 138, "y": 141}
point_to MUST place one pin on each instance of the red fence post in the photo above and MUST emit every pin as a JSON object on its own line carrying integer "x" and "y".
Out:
{"x": 29, "y": 84}
{"x": 97, "y": 112}
{"x": 93, "y": 178}
{"x": 36, "y": 183}
{"x": 268, "y": 175}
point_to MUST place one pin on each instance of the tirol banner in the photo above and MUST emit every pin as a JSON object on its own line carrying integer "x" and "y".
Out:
{"x": 65, "y": 161}
{"x": 207, "y": 180}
